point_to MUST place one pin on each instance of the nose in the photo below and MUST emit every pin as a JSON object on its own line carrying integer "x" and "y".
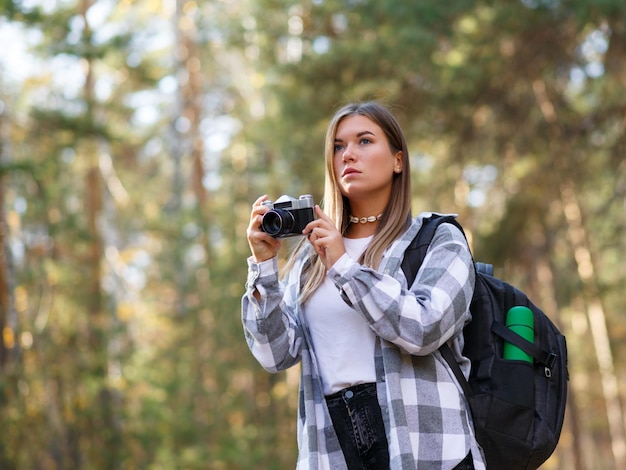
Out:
{"x": 348, "y": 154}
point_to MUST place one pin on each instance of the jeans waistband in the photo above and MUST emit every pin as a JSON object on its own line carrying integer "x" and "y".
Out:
{"x": 349, "y": 392}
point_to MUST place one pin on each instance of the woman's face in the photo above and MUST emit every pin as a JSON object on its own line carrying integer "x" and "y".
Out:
{"x": 363, "y": 161}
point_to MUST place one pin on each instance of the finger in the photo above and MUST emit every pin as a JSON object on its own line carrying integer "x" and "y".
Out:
{"x": 322, "y": 221}
{"x": 258, "y": 203}
{"x": 261, "y": 239}
{"x": 258, "y": 211}
{"x": 314, "y": 238}
{"x": 321, "y": 214}
{"x": 316, "y": 232}
{"x": 318, "y": 244}
{"x": 255, "y": 222}
{"x": 260, "y": 200}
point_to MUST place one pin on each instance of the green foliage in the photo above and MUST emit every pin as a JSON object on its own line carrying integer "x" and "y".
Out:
{"x": 119, "y": 309}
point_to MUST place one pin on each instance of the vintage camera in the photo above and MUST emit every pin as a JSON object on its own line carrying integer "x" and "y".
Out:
{"x": 288, "y": 216}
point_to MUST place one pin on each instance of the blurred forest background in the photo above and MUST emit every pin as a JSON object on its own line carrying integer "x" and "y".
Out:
{"x": 135, "y": 135}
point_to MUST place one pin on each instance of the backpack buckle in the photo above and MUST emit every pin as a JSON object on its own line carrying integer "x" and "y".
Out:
{"x": 549, "y": 364}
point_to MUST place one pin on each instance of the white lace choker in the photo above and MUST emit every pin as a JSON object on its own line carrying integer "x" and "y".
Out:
{"x": 364, "y": 220}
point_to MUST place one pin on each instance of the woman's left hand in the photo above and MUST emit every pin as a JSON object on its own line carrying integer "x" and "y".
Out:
{"x": 325, "y": 238}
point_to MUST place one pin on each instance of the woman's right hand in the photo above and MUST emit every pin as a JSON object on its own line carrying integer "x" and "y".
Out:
{"x": 262, "y": 245}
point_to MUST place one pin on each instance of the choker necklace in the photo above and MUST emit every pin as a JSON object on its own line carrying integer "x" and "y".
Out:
{"x": 364, "y": 220}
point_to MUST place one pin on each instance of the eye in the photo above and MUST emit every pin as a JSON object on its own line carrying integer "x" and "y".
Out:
{"x": 338, "y": 147}
{"x": 365, "y": 140}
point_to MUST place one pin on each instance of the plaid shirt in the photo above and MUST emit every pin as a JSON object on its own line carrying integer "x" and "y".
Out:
{"x": 426, "y": 417}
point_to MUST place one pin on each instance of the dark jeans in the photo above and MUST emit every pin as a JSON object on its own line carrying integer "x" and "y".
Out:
{"x": 358, "y": 423}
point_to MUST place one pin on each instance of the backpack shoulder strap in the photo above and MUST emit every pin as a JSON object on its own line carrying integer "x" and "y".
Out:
{"x": 416, "y": 251}
{"x": 413, "y": 258}
{"x": 448, "y": 356}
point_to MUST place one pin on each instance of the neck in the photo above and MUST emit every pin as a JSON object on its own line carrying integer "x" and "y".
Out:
{"x": 361, "y": 230}
{"x": 366, "y": 209}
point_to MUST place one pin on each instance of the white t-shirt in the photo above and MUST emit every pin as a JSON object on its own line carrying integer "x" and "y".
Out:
{"x": 343, "y": 341}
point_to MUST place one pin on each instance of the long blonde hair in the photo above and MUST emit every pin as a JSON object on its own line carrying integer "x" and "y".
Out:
{"x": 396, "y": 215}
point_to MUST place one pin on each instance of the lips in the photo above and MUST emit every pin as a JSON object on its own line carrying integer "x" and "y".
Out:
{"x": 349, "y": 171}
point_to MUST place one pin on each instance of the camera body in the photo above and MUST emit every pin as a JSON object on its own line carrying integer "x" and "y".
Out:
{"x": 288, "y": 216}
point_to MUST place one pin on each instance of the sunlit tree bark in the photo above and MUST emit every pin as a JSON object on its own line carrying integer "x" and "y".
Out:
{"x": 597, "y": 323}
{"x": 585, "y": 265}
{"x": 8, "y": 325}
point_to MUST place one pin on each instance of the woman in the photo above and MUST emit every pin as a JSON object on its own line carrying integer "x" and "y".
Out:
{"x": 374, "y": 391}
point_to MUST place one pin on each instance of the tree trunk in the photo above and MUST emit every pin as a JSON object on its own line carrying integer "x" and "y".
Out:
{"x": 582, "y": 254}
{"x": 597, "y": 322}
{"x": 550, "y": 305}
{"x": 7, "y": 333}
{"x": 102, "y": 433}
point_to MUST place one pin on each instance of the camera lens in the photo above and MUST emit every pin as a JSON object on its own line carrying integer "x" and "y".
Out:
{"x": 277, "y": 222}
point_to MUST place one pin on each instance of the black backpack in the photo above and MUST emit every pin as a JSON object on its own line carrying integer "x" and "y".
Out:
{"x": 517, "y": 407}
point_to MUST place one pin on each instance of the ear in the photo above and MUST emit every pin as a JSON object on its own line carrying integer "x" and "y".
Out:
{"x": 397, "y": 167}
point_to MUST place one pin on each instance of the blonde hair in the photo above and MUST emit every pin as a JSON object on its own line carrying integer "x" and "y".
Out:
{"x": 397, "y": 214}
